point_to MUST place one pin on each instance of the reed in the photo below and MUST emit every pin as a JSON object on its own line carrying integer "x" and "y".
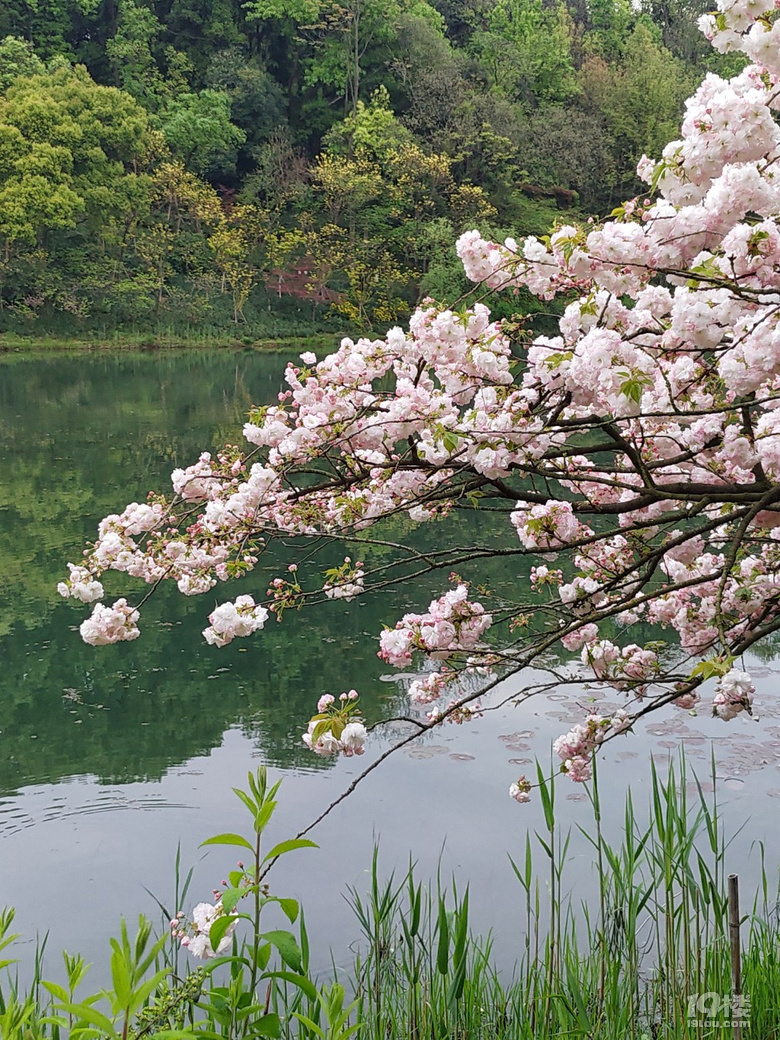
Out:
{"x": 648, "y": 959}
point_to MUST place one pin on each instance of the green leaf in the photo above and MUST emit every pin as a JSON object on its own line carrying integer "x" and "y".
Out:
{"x": 268, "y": 1025}
{"x": 245, "y": 799}
{"x": 218, "y": 929}
{"x": 217, "y": 962}
{"x": 56, "y": 991}
{"x": 547, "y": 795}
{"x": 289, "y": 846}
{"x": 89, "y": 1014}
{"x": 230, "y": 897}
{"x": 713, "y": 666}
{"x": 319, "y": 730}
{"x": 290, "y": 908}
{"x": 633, "y": 385}
{"x": 287, "y": 946}
{"x": 263, "y": 955}
{"x": 443, "y": 948}
{"x": 175, "y": 1034}
{"x": 416, "y": 905}
{"x": 705, "y": 669}
{"x": 455, "y": 991}
{"x": 310, "y": 1025}
{"x": 151, "y": 956}
{"x": 301, "y": 981}
{"x": 145, "y": 990}
{"x": 461, "y": 930}
{"x": 228, "y": 839}
{"x": 263, "y": 816}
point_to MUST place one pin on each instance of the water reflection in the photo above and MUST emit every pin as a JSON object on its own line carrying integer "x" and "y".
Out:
{"x": 81, "y": 437}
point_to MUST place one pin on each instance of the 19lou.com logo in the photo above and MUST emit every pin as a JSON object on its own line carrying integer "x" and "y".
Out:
{"x": 708, "y": 1009}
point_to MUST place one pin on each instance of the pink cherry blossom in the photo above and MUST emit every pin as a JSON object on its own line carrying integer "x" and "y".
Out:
{"x": 114, "y": 624}
{"x": 229, "y": 620}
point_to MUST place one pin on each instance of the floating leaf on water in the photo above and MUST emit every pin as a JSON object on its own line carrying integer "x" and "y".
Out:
{"x": 427, "y": 751}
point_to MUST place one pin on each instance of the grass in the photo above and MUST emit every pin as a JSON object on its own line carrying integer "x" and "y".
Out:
{"x": 648, "y": 958}
{"x": 163, "y": 339}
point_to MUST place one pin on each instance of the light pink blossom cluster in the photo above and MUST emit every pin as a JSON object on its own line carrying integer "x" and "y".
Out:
{"x": 734, "y": 694}
{"x": 577, "y": 638}
{"x": 627, "y": 667}
{"x": 543, "y": 575}
{"x": 431, "y": 686}
{"x": 577, "y": 747}
{"x": 115, "y": 624}
{"x": 452, "y": 623}
{"x": 228, "y": 620}
{"x": 701, "y": 593}
{"x": 194, "y": 936}
{"x": 337, "y": 728}
{"x": 198, "y": 483}
{"x": 351, "y": 742}
{"x": 456, "y": 712}
{"x": 549, "y": 526}
{"x": 520, "y": 791}
{"x": 345, "y": 582}
{"x": 81, "y": 585}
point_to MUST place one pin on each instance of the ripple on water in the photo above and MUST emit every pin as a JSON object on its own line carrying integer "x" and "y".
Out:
{"x": 15, "y": 817}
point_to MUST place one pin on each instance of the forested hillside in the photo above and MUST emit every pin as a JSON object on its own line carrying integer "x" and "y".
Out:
{"x": 280, "y": 165}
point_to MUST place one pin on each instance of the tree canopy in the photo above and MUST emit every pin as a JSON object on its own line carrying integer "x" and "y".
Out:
{"x": 524, "y": 109}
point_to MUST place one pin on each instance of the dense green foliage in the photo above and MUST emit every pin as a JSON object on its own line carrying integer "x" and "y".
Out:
{"x": 274, "y": 162}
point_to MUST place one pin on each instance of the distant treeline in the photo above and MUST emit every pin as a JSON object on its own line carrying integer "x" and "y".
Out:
{"x": 284, "y": 163}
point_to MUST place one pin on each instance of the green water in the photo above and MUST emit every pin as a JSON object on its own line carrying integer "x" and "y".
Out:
{"x": 80, "y": 437}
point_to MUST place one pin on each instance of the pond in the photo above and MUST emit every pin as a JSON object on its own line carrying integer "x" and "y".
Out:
{"x": 115, "y": 757}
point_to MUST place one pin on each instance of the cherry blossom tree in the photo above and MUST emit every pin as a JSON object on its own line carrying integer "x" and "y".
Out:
{"x": 634, "y": 455}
